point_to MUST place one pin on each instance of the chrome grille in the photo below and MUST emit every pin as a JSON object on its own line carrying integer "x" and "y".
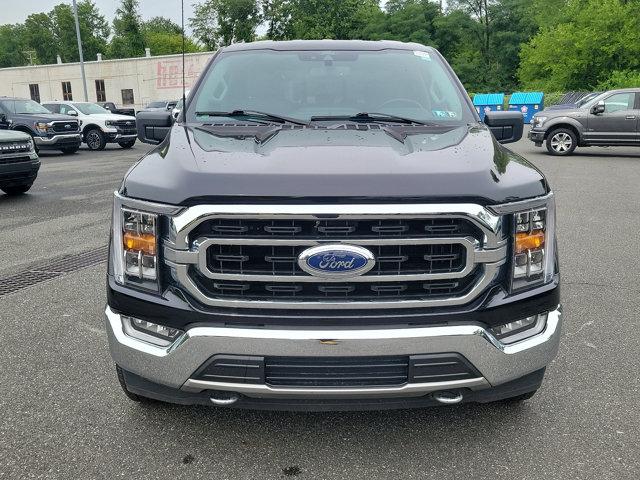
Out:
{"x": 61, "y": 127}
{"x": 310, "y": 291}
{"x": 343, "y": 229}
{"x": 426, "y": 255}
{"x": 279, "y": 260}
{"x": 125, "y": 127}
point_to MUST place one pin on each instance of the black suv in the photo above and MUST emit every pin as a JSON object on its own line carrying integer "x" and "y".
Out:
{"x": 329, "y": 225}
{"x": 49, "y": 131}
{"x": 610, "y": 119}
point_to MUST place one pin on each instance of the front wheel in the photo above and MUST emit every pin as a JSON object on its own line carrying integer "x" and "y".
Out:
{"x": 95, "y": 139}
{"x": 16, "y": 190}
{"x": 561, "y": 142}
{"x": 127, "y": 144}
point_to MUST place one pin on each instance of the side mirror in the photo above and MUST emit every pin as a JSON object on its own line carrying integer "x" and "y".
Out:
{"x": 153, "y": 126}
{"x": 73, "y": 113}
{"x": 506, "y": 126}
{"x": 598, "y": 108}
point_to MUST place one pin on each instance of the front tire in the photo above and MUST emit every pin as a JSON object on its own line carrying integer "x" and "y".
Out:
{"x": 16, "y": 190}
{"x": 127, "y": 145}
{"x": 561, "y": 142}
{"x": 95, "y": 139}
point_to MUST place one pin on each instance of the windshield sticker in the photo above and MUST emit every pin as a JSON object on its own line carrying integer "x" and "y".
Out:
{"x": 444, "y": 114}
{"x": 422, "y": 55}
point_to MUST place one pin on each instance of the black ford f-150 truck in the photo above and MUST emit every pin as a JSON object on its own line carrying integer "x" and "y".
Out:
{"x": 50, "y": 131}
{"x": 328, "y": 225}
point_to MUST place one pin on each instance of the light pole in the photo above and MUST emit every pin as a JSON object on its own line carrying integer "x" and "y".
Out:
{"x": 84, "y": 78}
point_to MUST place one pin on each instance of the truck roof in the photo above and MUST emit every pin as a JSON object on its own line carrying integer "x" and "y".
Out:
{"x": 289, "y": 45}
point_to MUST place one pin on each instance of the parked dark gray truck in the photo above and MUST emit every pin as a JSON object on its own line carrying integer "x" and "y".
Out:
{"x": 328, "y": 225}
{"x": 609, "y": 119}
{"x": 49, "y": 131}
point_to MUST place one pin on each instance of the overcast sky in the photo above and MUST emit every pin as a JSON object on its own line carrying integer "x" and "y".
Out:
{"x": 16, "y": 11}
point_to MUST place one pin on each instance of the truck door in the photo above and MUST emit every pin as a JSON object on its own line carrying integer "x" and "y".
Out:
{"x": 618, "y": 124}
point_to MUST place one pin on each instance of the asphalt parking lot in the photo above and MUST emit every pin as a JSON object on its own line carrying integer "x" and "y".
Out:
{"x": 65, "y": 417}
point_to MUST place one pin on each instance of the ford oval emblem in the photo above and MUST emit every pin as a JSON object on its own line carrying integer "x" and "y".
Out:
{"x": 336, "y": 261}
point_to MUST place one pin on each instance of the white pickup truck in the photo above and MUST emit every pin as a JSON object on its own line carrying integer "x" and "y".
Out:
{"x": 99, "y": 125}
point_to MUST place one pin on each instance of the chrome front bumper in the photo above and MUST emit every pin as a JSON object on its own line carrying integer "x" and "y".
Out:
{"x": 174, "y": 365}
{"x": 56, "y": 138}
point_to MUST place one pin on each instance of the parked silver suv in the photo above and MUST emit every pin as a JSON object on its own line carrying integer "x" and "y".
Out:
{"x": 610, "y": 119}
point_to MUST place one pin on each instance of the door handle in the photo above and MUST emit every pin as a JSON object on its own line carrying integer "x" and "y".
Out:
{"x": 631, "y": 117}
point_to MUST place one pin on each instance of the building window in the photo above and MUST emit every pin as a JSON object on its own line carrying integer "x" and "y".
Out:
{"x": 127, "y": 96}
{"x": 34, "y": 90}
{"x": 100, "y": 94}
{"x": 66, "y": 91}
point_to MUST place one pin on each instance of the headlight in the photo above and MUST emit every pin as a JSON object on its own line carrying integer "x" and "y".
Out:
{"x": 135, "y": 247}
{"x": 533, "y": 246}
{"x": 109, "y": 123}
{"x": 41, "y": 127}
{"x": 538, "y": 121}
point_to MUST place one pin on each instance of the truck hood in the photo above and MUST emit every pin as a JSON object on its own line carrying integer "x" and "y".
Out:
{"x": 202, "y": 164}
{"x": 13, "y": 136}
{"x": 43, "y": 117}
{"x": 109, "y": 116}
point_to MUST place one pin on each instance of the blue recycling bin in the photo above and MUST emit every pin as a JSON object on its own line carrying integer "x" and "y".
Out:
{"x": 529, "y": 103}
{"x": 488, "y": 102}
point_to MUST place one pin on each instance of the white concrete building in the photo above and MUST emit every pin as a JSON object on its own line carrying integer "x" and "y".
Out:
{"x": 125, "y": 82}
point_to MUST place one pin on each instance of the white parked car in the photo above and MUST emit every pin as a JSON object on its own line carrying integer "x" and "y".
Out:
{"x": 99, "y": 125}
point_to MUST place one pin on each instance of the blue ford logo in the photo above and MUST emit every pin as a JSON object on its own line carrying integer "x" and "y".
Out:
{"x": 336, "y": 261}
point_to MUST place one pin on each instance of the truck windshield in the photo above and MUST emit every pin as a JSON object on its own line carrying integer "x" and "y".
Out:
{"x": 306, "y": 84}
{"x": 23, "y": 106}
{"x": 90, "y": 108}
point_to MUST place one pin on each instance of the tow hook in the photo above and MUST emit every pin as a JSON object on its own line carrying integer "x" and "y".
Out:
{"x": 448, "y": 397}
{"x": 224, "y": 398}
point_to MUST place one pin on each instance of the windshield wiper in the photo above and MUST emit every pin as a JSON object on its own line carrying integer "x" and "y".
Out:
{"x": 372, "y": 117}
{"x": 253, "y": 113}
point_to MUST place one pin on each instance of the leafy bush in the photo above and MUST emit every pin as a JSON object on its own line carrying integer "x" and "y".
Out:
{"x": 621, "y": 79}
{"x": 552, "y": 98}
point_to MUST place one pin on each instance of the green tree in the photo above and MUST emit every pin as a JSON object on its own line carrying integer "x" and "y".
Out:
{"x": 94, "y": 31}
{"x": 160, "y": 25}
{"x": 223, "y": 22}
{"x": 336, "y": 19}
{"x": 404, "y": 20}
{"x": 40, "y": 35}
{"x": 13, "y": 49}
{"x": 168, "y": 43}
{"x": 164, "y": 37}
{"x": 277, "y": 15}
{"x": 596, "y": 38}
{"x": 128, "y": 40}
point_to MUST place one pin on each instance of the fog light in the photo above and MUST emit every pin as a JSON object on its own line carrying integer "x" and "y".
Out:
{"x": 520, "y": 329}
{"x": 150, "y": 332}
